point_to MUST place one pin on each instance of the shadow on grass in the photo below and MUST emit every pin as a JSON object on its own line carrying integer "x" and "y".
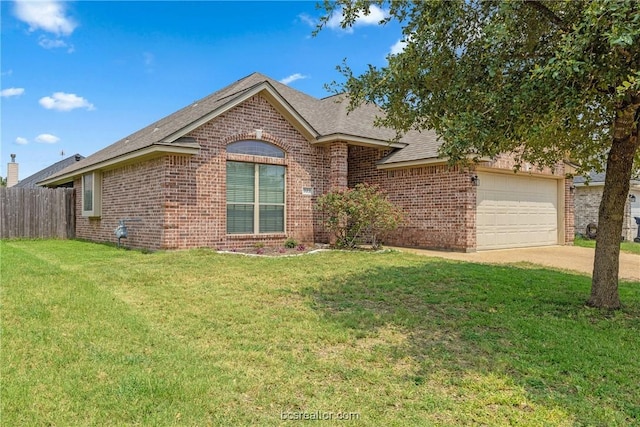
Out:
{"x": 527, "y": 325}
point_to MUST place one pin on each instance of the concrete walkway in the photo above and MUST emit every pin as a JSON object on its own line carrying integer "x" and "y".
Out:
{"x": 572, "y": 258}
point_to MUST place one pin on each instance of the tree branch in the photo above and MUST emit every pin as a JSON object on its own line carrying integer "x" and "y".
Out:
{"x": 544, "y": 10}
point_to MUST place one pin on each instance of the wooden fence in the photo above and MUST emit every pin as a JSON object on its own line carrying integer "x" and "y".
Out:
{"x": 37, "y": 213}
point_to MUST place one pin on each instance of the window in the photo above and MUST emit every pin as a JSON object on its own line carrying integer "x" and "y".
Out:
{"x": 91, "y": 196}
{"x": 255, "y": 192}
{"x": 255, "y": 198}
{"x": 255, "y": 148}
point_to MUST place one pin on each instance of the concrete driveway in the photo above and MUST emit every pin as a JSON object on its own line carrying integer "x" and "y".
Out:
{"x": 572, "y": 258}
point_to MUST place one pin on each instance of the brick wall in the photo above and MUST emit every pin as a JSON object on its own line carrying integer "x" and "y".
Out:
{"x": 587, "y": 204}
{"x": 569, "y": 212}
{"x": 508, "y": 161}
{"x": 339, "y": 170}
{"x": 133, "y": 191}
{"x": 438, "y": 201}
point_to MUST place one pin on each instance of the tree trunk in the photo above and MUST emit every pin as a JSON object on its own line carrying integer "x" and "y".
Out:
{"x": 604, "y": 284}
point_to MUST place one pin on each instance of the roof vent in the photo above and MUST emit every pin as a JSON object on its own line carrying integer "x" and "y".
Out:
{"x": 186, "y": 140}
{"x": 156, "y": 129}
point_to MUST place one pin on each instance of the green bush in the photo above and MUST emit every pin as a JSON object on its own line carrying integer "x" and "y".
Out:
{"x": 359, "y": 215}
{"x": 290, "y": 243}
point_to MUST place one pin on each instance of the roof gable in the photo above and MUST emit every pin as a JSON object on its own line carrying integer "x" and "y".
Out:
{"x": 264, "y": 89}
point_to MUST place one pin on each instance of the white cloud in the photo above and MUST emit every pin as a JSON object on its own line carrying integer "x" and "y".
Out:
{"x": 398, "y": 47}
{"x": 61, "y": 101}
{"x": 47, "y": 15}
{"x": 292, "y": 78}
{"x": 7, "y": 73}
{"x": 47, "y": 138}
{"x": 22, "y": 141}
{"x": 307, "y": 20}
{"x": 12, "y": 91}
{"x": 373, "y": 18}
{"x": 335, "y": 21}
{"x": 48, "y": 43}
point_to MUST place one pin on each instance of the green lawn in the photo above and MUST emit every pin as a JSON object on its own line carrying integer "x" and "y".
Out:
{"x": 626, "y": 246}
{"x": 93, "y": 335}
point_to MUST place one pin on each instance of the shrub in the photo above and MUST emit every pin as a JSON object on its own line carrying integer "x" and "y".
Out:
{"x": 359, "y": 215}
{"x": 290, "y": 243}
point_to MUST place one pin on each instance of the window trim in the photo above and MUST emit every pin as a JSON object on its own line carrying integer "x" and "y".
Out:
{"x": 256, "y": 201}
{"x": 96, "y": 192}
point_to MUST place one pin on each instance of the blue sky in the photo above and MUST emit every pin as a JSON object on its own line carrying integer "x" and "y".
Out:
{"x": 78, "y": 76}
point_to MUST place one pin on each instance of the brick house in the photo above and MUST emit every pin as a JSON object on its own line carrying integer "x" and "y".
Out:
{"x": 588, "y": 194}
{"x": 247, "y": 163}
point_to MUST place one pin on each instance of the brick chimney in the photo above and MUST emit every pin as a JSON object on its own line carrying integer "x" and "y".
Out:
{"x": 12, "y": 172}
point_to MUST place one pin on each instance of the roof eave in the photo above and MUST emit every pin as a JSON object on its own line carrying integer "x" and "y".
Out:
{"x": 431, "y": 161}
{"x": 411, "y": 163}
{"x": 358, "y": 140}
{"x": 589, "y": 184}
{"x": 633, "y": 185}
{"x": 147, "y": 152}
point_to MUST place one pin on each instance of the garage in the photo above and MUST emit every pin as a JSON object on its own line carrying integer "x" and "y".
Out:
{"x": 515, "y": 211}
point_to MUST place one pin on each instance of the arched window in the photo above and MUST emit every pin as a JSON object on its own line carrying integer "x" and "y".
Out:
{"x": 255, "y": 148}
{"x": 255, "y": 191}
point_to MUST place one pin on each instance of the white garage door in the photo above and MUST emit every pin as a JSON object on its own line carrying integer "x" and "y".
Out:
{"x": 516, "y": 211}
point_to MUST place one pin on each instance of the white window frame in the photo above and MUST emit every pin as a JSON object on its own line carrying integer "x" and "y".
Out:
{"x": 256, "y": 203}
{"x": 96, "y": 193}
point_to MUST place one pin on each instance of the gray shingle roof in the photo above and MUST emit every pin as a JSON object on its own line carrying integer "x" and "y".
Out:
{"x": 327, "y": 116}
{"x": 423, "y": 145}
{"x": 598, "y": 179}
{"x": 32, "y": 180}
{"x": 593, "y": 177}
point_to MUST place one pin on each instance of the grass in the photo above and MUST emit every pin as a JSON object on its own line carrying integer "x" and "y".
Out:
{"x": 625, "y": 246}
{"x": 93, "y": 335}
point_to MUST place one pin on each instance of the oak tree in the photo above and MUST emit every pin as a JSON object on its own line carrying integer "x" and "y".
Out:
{"x": 547, "y": 81}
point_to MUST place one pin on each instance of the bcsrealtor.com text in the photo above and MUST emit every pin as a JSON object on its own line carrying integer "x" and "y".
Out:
{"x": 319, "y": 416}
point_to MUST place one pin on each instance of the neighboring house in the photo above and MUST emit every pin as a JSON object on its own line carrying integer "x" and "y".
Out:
{"x": 247, "y": 163}
{"x": 32, "y": 181}
{"x": 588, "y": 194}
